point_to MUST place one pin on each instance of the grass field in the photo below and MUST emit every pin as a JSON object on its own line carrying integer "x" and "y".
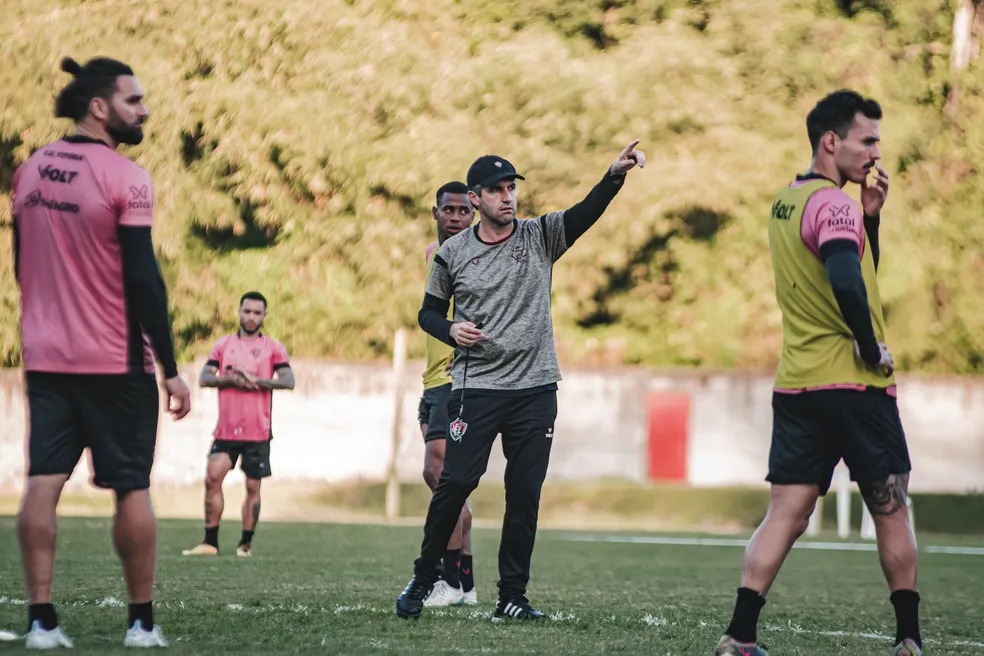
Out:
{"x": 330, "y": 588}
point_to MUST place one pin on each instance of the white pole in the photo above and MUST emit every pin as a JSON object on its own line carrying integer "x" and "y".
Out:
{"x": 867, "y": 523}
{"x": 815, "y": 519}
{"x": 392, "y": 474}
{"x": 843, "y": 503}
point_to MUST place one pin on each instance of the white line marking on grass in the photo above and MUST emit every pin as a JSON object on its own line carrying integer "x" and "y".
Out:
{"x": 653, "y": 620}
{"x": 733, "y": 542}
{"x": 110, "y": 602}
{"x": 962, "y": 551}
{"x": 563, "y": 616}
{"x": 650, "y": 620}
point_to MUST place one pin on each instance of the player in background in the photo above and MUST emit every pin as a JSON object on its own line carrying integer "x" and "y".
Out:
{"x": 245, "y": 367}
{"x": 835, "y": 394}
{"x": 93, "y": 315}
{"x": 453, "y": 213}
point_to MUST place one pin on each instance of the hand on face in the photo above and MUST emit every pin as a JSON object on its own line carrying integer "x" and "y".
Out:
{"x": 873, "y": 196}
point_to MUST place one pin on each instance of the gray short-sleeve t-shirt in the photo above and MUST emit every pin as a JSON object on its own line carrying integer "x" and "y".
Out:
{"x": 505, "y": 287}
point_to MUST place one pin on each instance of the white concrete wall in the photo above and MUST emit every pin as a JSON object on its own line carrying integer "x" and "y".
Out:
{"x": 337, "y": 426}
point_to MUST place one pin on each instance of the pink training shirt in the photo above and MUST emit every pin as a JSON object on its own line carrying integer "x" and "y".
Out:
{"x": 831, "y": 214}
{"x": 69, "y": 199}
{"x": 244, "y": 415}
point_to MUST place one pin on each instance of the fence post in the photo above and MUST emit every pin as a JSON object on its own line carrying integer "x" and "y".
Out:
{"x": 392, "y": 474}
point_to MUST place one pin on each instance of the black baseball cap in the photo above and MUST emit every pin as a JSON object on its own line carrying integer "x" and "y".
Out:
{"x": 489, "y": 169}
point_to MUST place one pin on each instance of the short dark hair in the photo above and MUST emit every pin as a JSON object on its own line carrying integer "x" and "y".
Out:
{"x": 97, "y": 79}
{"x": 836, "y": 112}
{"x": 453, "y": 187}
{"x": 253, "y": 296}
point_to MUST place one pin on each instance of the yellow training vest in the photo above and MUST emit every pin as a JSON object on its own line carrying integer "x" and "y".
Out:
{"x": 439, "y": 354}
{"x": 817, "y": 345}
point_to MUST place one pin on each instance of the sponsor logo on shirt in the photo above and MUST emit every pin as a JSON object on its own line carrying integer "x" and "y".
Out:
{"x": 35, "y": 198}
{"x": 49, "y": 172}
{"x": 782, "y": 211}
{"x": 841, "y": 219}
{"x": 519, "y": 253}
{"x": 62, "y": 155}
{"x": 139, "y": 198}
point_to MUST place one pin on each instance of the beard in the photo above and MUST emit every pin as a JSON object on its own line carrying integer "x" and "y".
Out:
{"x": 247, "y": 331}
{"x": 122, "y": 133}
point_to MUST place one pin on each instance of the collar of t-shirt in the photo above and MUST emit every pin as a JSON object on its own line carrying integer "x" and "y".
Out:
{"x": 813, "y": 176}
{"x": 82, "y": 139}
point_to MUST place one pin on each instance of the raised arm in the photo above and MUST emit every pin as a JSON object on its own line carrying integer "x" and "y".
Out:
{"x": 873, "y": 197}
{"x": 582, "y": 216}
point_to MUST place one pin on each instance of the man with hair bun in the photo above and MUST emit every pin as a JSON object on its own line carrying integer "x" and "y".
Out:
{"x": 94, "y": 314}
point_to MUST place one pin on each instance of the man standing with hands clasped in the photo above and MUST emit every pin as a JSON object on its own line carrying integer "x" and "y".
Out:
{"x": 505, "y": 377}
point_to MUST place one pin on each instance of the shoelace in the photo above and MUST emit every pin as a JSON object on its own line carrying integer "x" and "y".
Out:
{"x": 415, "y": 590}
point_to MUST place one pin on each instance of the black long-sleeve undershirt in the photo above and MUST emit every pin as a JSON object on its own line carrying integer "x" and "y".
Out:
{"x": 840, "y": 258}
{"x": 871, "y": 223}
{"x": 146, "y": 293}
{"x": 432, "y": 317}
{"x": 16, "y": 251}
{"x": 582, "y": 216}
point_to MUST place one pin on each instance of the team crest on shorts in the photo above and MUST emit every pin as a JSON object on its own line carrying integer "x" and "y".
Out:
{"x": 458, "y": 429}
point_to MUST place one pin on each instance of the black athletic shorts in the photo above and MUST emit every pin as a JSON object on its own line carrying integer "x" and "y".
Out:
{"x": 813, "y": 431}
{"x": 433, "y": 411}
{"x": 113, "y": 415}
{"x": 255, "y": 455}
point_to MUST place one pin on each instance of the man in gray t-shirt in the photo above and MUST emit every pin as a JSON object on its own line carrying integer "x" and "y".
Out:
{"x": 498, "y": 272}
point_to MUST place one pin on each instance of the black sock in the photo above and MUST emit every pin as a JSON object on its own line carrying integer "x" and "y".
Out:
{"x": 451, "y": 557}
{"x": 44, "y": 613}
{"x": 465, "y": 570}
{"x": 144, "y": 613}
{"x": 744, "y": 622}
{"x": 906, "y": 604}
{"x": 212, "y": 536}
{"x": 247, "y": 537}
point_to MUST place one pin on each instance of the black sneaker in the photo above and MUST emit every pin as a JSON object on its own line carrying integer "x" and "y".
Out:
{"x": 516, "y": 608}
{"x": 411, "y": 601}
{"x": 728, "y": 646}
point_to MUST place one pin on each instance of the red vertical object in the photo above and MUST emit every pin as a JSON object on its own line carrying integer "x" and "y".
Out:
{"x": 668, "y": 414}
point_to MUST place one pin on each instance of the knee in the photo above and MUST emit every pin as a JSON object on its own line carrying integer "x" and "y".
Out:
{"x": 432, "y": 474}
{"x": 887, "y": 498}
{"x": 213, "y": 483}
{"x": 462, "y": 484}
{"x": 794, "y": 521}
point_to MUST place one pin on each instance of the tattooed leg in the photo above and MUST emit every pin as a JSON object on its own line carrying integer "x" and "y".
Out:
{"x": 897, "y": 550}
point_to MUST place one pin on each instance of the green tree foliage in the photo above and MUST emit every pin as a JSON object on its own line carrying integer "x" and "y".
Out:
{"x": 295, "y": 147}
